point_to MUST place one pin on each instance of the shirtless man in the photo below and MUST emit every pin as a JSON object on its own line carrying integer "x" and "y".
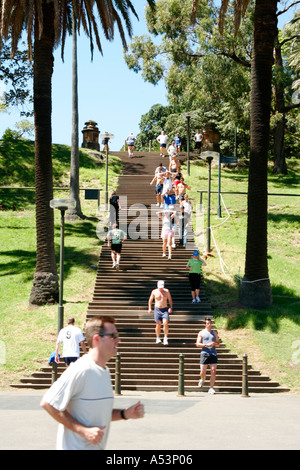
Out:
{"x": 181, "y": 189}
{"x": 159, "y": 178}
{"x": 174, "y": 166}
{"x": 161, "y": 298}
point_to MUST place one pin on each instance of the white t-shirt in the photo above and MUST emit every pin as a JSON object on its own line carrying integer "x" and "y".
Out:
{"x": 198, "y": 137}
{"x": 131, "y": 140}
{"x": 86, "y": 389}
{"x": 172, "y": 150}
{"x": 163, "y": 138}
{"x": 187, "y": 207}
{"x": 167, "y": 184}
{"x": 70, "y": 336}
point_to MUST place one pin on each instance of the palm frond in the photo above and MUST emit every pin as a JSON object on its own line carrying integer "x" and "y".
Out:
{"x": 20, "y": 15}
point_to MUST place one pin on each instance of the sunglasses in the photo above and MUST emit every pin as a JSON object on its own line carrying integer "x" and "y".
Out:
{"x": 112, "y": 335}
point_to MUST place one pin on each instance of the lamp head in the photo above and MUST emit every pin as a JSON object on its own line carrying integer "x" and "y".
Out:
{"x": 63, "y": 204}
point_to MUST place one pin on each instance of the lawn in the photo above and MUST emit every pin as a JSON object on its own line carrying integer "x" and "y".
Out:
{"x": 270, "y": 338}
{"x": 28, "y": 335}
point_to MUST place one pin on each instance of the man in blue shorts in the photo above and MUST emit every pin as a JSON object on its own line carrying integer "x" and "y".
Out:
{"x": 161, "y": 298}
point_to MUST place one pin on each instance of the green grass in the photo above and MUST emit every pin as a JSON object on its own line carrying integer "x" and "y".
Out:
{"x": 29, "y": 334}
{"x": 267, "y": 336}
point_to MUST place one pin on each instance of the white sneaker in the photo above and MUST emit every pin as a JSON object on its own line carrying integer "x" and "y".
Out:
{"x": 158, "y": 340}
{"x": 157, "y": 205}
{"x": 165, "y": 340}
{"x": 173, "y": 245}
{"x": 114, "y": 265}
{"x": 164, "y": 255}
{"x": 198, "y": 299}
{"x": 161, "y": 205}
{"x": 170, "y": 257}
{"x": 193, "y": 301}
{"x": 200, "y": 383}
{"x": 211, "y": 391}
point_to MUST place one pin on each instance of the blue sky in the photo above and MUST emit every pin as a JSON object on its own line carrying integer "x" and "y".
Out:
{"x": 109, "y": 93}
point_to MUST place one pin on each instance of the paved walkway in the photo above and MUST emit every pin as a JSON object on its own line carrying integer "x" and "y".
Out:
{"x": 197, "y": 421}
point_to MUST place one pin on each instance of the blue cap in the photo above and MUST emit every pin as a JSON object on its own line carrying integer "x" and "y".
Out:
{"x": 196, "y": 253}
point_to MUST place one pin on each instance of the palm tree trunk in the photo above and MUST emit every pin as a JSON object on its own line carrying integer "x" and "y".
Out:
{"x": 74, "y": 214}
{"x": 280, "y": 166}
{"x": 255, "y": 290}
{"x": 45, "y": 283}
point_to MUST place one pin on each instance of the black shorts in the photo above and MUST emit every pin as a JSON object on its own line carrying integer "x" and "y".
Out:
{"x": 195, "y": 280}
{"x": 159, "y": 188}
{"x": 206, "y": 358}
{"x": 117, "y": 247}
{"x": 69, "y": 360}
{"x": 198, "y": 145}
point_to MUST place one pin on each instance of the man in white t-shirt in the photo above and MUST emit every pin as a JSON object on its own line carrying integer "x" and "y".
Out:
{"x": 163, "y": 140}
{"x": 71, "y": 337}
{"x": 130, "y": 143}
{"x": 198, "y": 141}
{"x": 81, "y": 400}
{"x": 172, "y": 150}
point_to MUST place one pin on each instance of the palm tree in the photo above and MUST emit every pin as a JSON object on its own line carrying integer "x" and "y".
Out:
{"x": 46, "y": 25}
{"x": 255, "y": 289}
{"x": 74, "y": 214}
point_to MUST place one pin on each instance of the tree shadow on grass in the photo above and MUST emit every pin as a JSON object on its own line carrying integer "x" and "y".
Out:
{"x": 286, "y": 304}
{"x": 24, "y": 261}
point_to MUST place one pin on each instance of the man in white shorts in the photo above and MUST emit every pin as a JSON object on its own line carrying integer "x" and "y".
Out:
{"x": 167, "y": 231}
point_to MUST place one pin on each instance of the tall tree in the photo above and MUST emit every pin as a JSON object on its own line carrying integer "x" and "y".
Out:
{"x": 46, "y": 25}
{"x": 255, "y": 289}
{"x": 74, "y": 214}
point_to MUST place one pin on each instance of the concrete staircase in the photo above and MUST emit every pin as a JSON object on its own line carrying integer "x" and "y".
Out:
{"x": 124, "y": 294}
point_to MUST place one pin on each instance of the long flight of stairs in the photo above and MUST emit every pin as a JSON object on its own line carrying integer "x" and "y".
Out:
{"x": 124, "y": 294}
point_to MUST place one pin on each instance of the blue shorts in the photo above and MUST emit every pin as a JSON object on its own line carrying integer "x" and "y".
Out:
{"x": 161, "y": 314}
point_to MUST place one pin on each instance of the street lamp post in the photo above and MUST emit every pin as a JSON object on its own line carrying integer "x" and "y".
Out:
{"x": 209, "y": 160}
{"x": 63, "y": 205}
{"x": 188, "y": 118}
{"x": 107, "y": 136}
{"x": 209, "y": 155}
